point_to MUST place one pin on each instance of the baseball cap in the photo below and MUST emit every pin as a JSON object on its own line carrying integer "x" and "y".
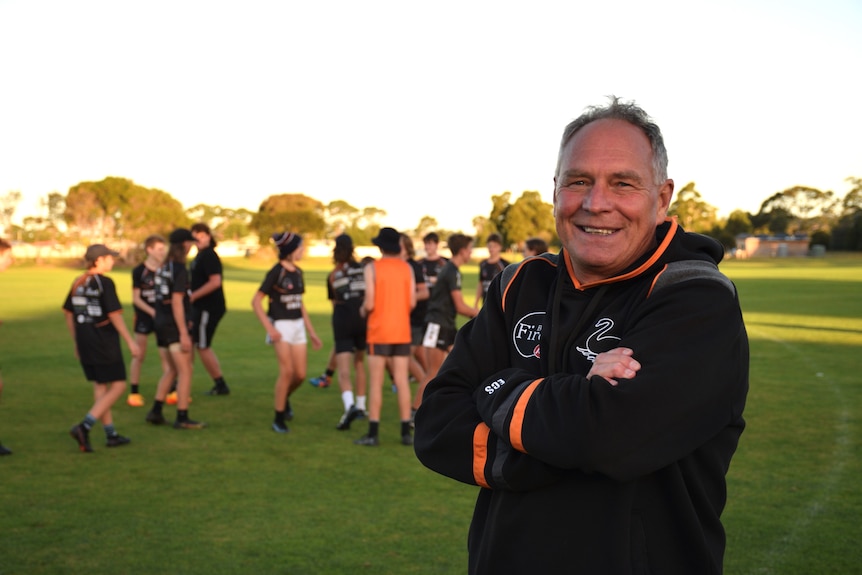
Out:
{"x": 181, "y": 235}
{"x": 96, "y": 251}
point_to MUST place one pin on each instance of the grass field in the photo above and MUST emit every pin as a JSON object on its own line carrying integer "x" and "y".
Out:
{"x": 237, "y": 498}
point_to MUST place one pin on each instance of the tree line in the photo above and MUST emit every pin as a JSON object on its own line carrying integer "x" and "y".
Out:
{"x": 118, "y": 209}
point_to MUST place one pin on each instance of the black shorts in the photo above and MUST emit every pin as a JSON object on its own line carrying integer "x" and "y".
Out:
{"x": 417, "y": 334}
{"x": 348, "y": 329}
{"x": 166, "y": 331}
{"x": 438, "y": 336}
{"x": 204, "y": 324}
{"x": 389, "y": 349}
{"x": 144, "y": 323}
{"x": 350, "y": 344}
{"x": 105, "y": 373}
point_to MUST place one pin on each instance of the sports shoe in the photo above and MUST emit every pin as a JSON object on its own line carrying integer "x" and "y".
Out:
{"x": 5, "y": 450}
{"x": 279, "y": 427}
{"x": 82, "y": 436}
{"x": 117, "y": 441}
{"x": 171, "y": 398}
{"x": 322, "y": 381}
{"x": 155, "y": 418}
{"x": 288, "y": 411}
{"x": 219, "y": 390}
{"x": 347, "y": 418}
{"x": 135, "y": 400}
{"x": 407, "y": 439}
{"x": 189, "y": 424}
{"x": 368, "y": 440}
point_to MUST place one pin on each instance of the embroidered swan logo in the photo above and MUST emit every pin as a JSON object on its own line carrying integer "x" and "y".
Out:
{"x": 604, "y": 325}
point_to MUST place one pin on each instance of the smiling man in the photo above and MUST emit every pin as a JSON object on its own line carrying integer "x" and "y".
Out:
{"x": 597, "y": 398}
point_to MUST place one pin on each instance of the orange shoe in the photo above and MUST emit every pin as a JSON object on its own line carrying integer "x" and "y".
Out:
{"x": 171, "y": 399}
{"x": 135, "y": 400}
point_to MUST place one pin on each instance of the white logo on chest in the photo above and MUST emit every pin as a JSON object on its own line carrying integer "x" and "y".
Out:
{"x": 604, "y": 325}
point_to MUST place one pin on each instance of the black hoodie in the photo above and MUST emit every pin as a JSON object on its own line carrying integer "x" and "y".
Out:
{"x": 579, "y": 476}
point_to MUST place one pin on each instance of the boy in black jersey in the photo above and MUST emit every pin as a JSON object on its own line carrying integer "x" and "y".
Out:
{"x": 208, "y": 303}
{"x": 144, "y": 301}
{"x": 286, "y": 323}
{"x": 172, "y": 332}
{"x": 346, "y": 289}
{"x": 490, "y": 267}
{"x": 95, "y": 321}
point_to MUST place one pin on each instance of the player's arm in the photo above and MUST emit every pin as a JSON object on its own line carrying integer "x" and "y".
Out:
{"x": 179, "y": 313}
{"x": 460, "y": 305}
{"x": 479, "y": 290}
{"x": 141, "y": 304}
{"x": 451, "y": 437}
{"x": 690, "y": 388}
{"x": 70, "y": 325}
{"x": 257, "y": 306}
{"x": 368, "y": 302}
{"x": 316, "y": 343}
{"x": 116, "y": 318}
{"x": 212, "y": 284}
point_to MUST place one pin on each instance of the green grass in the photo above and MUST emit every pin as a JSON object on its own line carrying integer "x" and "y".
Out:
{"x": 237, "y": 498}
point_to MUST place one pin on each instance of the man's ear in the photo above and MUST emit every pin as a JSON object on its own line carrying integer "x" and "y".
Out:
{"x": 665, "y": 194}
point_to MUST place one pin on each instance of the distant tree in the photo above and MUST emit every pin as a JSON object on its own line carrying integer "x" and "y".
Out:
{"x": 529, "y": 216}
{"x": 293, "y": 212}
{"x": 8, "y": 205}
{"x": 499, "y": 211}
{"x": 84, "y": 215}
{"x": 119, "y": 208}
{"x": 426, "y": 224}
{"x": 54, "y": 205}
{"x": 738, "y": 222}
{"x": 340, "y": 216}
{"x": 847, "y": 232}
{"x": 234, "y": 224}
{"x": 204, "y": 213}
{"x": 693, "y": 212}
{"x": 779, "y": 220}
{"x": 370, "y": 217}
{"x": 152, "y": 211}
{"x": 806, "y": 209}
{"x": 47, "y": 225}
{"x": 225, "y": 223}
{"x": 481, "y": 226}
{"x": 852, "y": 201}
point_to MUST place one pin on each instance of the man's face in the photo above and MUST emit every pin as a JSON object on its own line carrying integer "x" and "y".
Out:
{"x": 494, "y": 249}
{"x": 202, "y": 239}
{"x": 430, "y": 249}
{"x": 104, "y": 264}
{"x": 606, "y": 202}
{"x": 158, "y": 251}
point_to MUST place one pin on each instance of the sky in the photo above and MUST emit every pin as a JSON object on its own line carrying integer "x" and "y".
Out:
{"x": 419, "y": 108}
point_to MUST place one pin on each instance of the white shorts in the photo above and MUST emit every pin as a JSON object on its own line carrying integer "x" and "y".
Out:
{"x": 292, "y": 331}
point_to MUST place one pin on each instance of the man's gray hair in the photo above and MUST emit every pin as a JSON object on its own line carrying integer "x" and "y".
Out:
{"x": 631, "y": 113}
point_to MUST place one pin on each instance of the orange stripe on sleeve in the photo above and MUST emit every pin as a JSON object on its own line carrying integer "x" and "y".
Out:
{"x": 480, "y": 454}
{"x": 516, "y": 427}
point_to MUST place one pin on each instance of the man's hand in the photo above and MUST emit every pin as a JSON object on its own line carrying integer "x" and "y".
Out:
{"x": 617, "y": 362}
{"x": 185, "y": 342}
{"x": 134, "y": 349}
